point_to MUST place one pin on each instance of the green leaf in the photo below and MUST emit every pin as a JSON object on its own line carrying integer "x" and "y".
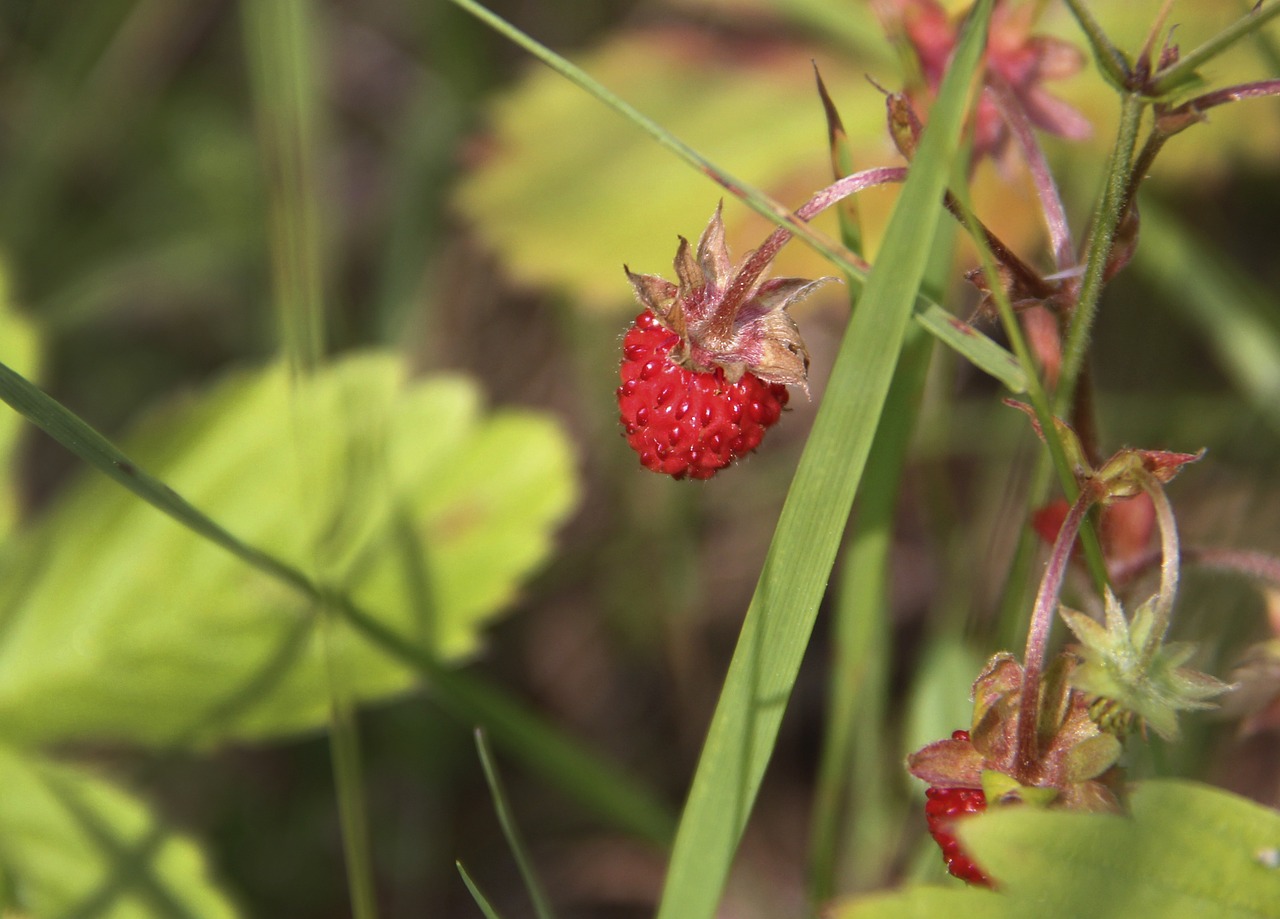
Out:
{"x": 565, "y": 206}
{"x": 1187, "y": 851}
{"x": 424, "y": 510}
{"x": 72, "y": 844}
{"x": 778, "y": 624}
{"x": 19, "y": 347}
{"x": 468, "y": 698}
{"x": 927, "y": 903}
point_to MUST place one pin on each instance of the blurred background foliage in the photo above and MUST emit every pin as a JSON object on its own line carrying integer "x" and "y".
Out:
{"x": 476, "y": 211}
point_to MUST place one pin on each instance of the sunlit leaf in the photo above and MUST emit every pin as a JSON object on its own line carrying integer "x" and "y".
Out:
{"x": 565, "y": 192}
{"x": 126, "y": 625}
{"x": 72, "y": 844}
{"x": 568, "y": 191}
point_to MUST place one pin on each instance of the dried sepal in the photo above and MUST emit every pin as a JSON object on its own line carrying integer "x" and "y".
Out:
{"x": 729, "y": 318}
{"x": 1128, "y": 471}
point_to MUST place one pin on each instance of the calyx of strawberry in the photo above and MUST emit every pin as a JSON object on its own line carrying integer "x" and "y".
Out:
{"x": 1072, "y": 767}
{"x": 1134, "y": 677}
{"x": 726, "y": 317}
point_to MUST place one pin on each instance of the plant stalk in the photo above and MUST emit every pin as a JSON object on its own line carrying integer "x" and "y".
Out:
{"x": 1033, "y": 658}
{"x": 1106, "y": 219}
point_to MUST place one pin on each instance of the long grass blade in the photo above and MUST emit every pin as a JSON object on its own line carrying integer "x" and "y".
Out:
{"x": 280, "y": 42}
{"x": 476, "y": 894}
{"x": 506, "y": 818}
{"x": 852, "y": 740}
{"x": 852, "y": 762}
{"x": 781, "y": 616}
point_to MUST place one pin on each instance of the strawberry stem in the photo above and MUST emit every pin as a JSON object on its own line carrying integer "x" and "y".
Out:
{"x": 755, "y": 263}
{"x": 1169, "y": 565}
{"x": 834, "y": 193}
{"x": 1038, "y": 635}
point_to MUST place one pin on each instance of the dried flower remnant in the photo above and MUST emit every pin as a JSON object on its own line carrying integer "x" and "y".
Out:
{"x": 1016, "y": 61}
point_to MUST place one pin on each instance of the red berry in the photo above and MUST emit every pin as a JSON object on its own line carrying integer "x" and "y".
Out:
{"x": 943, "y": 807}
{"x": 706, "y": 365}
{"x": 684, "y": 422}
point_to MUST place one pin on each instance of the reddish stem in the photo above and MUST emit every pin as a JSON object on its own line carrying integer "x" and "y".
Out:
{"x": 832, "y": 194}
{"x": 1228, "y": 94}
{"x": 756, "y": 262}
{"x": 1055, "y": 215}
{"x": 1258, "y": 566}
{"x": 1033, "y": 658}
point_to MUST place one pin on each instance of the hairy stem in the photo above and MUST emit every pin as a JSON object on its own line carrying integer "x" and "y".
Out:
{"x": 1106, "y": 219}
{"x": 1169, "y": 565}
{"x": 756, "y": 262}
{"x": 832, "y": 194}
{"x": 1033, "y": 657}
{"x": 1110, "y": 59}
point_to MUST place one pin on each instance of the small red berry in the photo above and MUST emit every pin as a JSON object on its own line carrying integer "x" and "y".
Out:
{"x": 943, "y": 807}
{"x": 683, "y": 422}
{"x": 705, "y": 367}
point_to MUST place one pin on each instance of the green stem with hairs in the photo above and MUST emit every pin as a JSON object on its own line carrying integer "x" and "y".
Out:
{"x": 1106, "y": 219}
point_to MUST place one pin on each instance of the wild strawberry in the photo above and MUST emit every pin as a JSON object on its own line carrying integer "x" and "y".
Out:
{"x": 705, "y": 366}
{"x": 943, "y": 806}
{"x": 941, "y": 810}
{"x": 685, "y": 423}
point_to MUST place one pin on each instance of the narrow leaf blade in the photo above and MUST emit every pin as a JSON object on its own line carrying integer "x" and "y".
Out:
{"x": 780, "y": 619}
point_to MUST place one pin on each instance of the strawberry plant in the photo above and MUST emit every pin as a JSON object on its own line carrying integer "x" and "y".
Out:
{"x": 985, "y": 625}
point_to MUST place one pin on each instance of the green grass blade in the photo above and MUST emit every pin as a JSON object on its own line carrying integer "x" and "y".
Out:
{"x": 972, "y": 345}
{"x": 1235, "y": 316}
{"x": 541, "y": 905}
{"x": 481, "y": 900}
{"x": 967, "y": 341}
{"x": 852, "y": 742}
{"x": 781, "y": 616}
{"x": 850, "y": 774}
{"x": 280, "y": 45}
{"x": 584, "y": 777}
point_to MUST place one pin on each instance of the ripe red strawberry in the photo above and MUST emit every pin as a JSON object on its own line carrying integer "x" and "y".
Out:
{"x": 688, "y": 423}
{"x": 705, "y": 366}
{"x": 943, "y": 806}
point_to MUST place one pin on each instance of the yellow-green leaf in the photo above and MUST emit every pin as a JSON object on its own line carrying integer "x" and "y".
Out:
{"x": 407, "y": 496}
